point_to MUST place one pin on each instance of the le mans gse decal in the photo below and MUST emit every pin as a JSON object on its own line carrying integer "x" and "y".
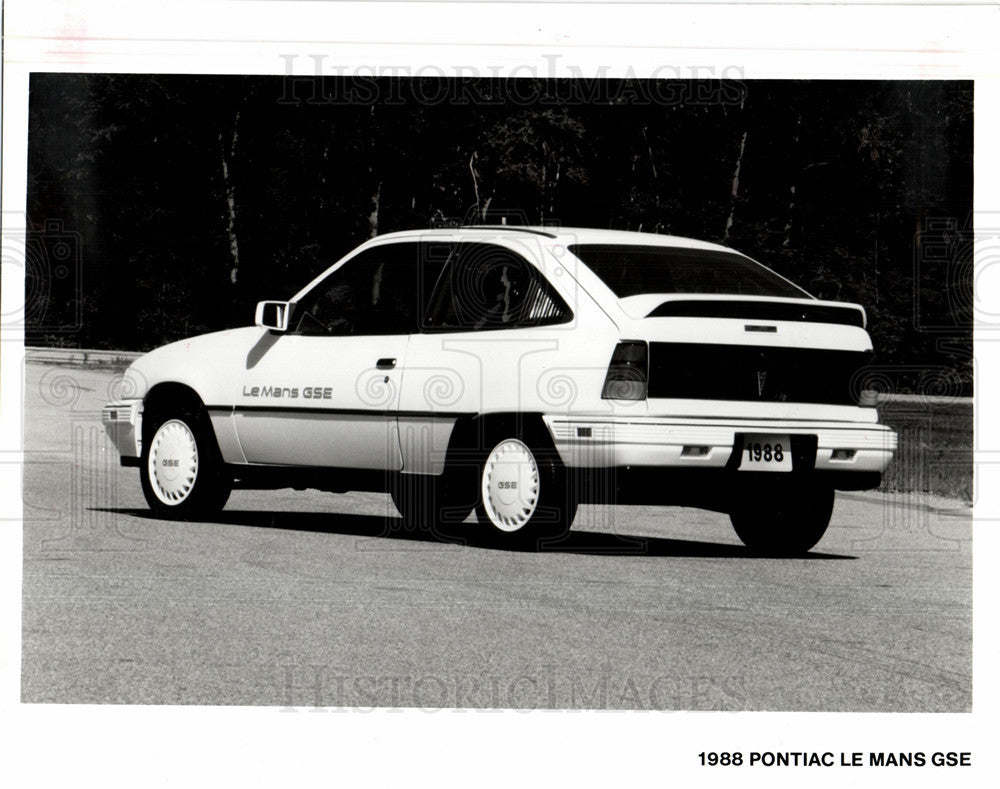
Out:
{"x": 290, "y": 392}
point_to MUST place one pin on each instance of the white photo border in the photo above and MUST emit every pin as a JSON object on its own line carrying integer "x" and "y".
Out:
{"x": 149, "y": 745}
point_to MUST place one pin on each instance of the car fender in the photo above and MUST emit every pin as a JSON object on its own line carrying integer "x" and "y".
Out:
{"x": 210, "y": 364}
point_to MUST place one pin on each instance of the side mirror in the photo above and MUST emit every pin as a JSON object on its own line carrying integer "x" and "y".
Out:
{"x": 273, "y": 315}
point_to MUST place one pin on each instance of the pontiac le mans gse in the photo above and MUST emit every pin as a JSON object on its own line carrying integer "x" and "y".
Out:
{"x": 516, "y": 372}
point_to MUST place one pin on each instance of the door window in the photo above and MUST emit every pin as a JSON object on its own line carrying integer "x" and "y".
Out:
{"x": 380, "y": 291}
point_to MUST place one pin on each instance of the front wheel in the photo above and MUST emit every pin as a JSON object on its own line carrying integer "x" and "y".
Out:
{"x": 181, "y": 471}
{"x": 782, "y": 520}
{"x": 523, "y": 491}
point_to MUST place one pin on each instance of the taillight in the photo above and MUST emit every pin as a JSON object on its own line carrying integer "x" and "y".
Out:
{"x": 628, "y": 372}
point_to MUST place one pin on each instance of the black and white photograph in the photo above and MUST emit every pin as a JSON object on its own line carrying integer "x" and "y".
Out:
{"x": 493, "y": 395}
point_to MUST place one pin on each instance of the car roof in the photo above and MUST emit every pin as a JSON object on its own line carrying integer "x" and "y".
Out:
{"x": 562, "y": 235}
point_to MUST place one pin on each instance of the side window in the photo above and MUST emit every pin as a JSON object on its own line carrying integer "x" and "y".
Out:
{"x": 484, "y": 287}
{"x": 381, "y": 291}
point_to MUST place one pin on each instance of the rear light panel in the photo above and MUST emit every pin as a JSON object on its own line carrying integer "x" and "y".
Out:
{"x": 628, "y": 373}
{"x": 755, "y": 373}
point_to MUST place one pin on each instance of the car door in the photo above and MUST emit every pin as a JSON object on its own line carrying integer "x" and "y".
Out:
{"x": 492, "y": 327}
{"x": 326, "y": 393}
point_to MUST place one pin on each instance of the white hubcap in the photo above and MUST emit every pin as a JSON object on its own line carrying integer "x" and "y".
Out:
{"x": 173, "y": 462}
{"x": 510, "y": 485}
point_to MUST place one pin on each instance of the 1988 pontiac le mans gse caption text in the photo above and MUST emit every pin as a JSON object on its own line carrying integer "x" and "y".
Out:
{"x": 516, "y": 372}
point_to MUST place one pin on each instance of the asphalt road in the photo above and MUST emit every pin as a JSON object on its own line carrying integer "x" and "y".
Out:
{"x": 298, "y": 599}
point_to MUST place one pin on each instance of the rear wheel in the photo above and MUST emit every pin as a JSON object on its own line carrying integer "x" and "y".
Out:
{"x": 783, "y": 519}
{"x": 181, "y": 470}
{"x": 523, "y": 490}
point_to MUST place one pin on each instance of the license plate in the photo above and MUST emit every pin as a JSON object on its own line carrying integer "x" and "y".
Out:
{"x": 766, "y": 452}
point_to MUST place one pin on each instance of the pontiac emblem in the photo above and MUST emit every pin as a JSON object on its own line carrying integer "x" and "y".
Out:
{"x": 761, "y": 375}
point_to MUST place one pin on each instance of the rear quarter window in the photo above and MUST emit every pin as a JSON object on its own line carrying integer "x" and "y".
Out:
{"x": 485, "y": 287}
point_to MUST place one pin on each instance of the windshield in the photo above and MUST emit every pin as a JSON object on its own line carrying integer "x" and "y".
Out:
{"x": 634, "y": 270}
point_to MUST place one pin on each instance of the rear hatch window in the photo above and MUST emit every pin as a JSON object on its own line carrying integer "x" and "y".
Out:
{"x": 632, "y": 270}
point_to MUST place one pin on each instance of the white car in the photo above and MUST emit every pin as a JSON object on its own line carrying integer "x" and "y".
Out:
{"x": 517, "y": 372}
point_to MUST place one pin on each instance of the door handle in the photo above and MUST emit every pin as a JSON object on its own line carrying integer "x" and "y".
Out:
{"x": 385, "y": 364}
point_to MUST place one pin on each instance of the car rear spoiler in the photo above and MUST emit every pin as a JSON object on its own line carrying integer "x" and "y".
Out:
{"x": 846, "y": 315}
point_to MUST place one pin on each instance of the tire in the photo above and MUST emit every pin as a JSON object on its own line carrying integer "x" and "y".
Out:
{"x": 782, "y": 520}
{"x": 181, "y": 469}
{"x": 523, "y": 492}
{"x": 430, "y": 504}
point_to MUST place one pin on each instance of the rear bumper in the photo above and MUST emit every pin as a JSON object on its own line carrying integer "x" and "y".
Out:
{"x": 122, "y": 422}
{"x": 601, "y": 442}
